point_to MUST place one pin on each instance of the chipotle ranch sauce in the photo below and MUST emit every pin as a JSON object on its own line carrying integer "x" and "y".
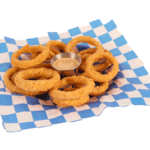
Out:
{"x": 65, "y": 63}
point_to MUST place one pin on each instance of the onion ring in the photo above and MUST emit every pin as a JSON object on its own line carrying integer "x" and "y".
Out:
{"x": 51, "y": 44}
{"x": 98, "y": 90}
{"x": 29, "y": 63}
{"x": 77, "y": 94}
{"x": 84, "y": 39}
{"x": 14, "y": 75}
{"x": 45, "y": 65}
{"x": 37, "y": 85}
{"x": 13, "y": 88}
{"x": 72, "y": 102}
{"x": 98, "y": 67}
{"x": 97, "y": 76}
{"x": 84, "y": 54}
{"x": 50, "y": 56}
{"x": 12, "y": 78}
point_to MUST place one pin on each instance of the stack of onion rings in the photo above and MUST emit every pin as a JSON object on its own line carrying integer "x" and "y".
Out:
{"x": 72, "y": 98}
{"x": 79, "y": 93}
{"x": 17, "y": 79}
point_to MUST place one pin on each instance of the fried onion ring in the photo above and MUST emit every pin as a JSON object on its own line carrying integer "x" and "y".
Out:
{"x": 97, "y": 76}
{"x": 72, "y": 102}
{"x": 44, "y": 52}
{"x": 87, "y": 52}
{"x": 21, "y": 79}
{"x": 50, "y": 56}
{"x": 84, "y": 39}
{"x": 14, "y": 75}
{"x": 52, "y": 46}
{"x": 46, "y": 65}
{"x": 98, "y": 67}
{"x": 84, "y": 54}
{"x": 77, "y": 94}
{"x": 98, "y": 90}
{"x": 13, "y": 88}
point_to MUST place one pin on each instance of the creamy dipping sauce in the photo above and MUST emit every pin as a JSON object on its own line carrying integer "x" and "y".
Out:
{"x": 65, "y": 63}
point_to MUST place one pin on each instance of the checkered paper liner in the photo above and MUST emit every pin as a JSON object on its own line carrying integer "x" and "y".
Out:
{"x": 130, "y": 87}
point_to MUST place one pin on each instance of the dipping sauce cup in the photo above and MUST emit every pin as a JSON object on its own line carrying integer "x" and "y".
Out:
{"x": 65, "y": 72}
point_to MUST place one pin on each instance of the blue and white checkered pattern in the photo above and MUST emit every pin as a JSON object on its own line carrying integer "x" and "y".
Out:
{"x": 130, "y": 86}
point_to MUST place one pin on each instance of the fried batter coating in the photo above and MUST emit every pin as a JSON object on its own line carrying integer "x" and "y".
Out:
{"x": 44, "y": 52}
{"x": 13, "y": 88}
{"x": 51, "y": 78}
{"x": 71, "y": 102}
{"x": 97, "y": 76}
{"x": 77, "y": 94}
